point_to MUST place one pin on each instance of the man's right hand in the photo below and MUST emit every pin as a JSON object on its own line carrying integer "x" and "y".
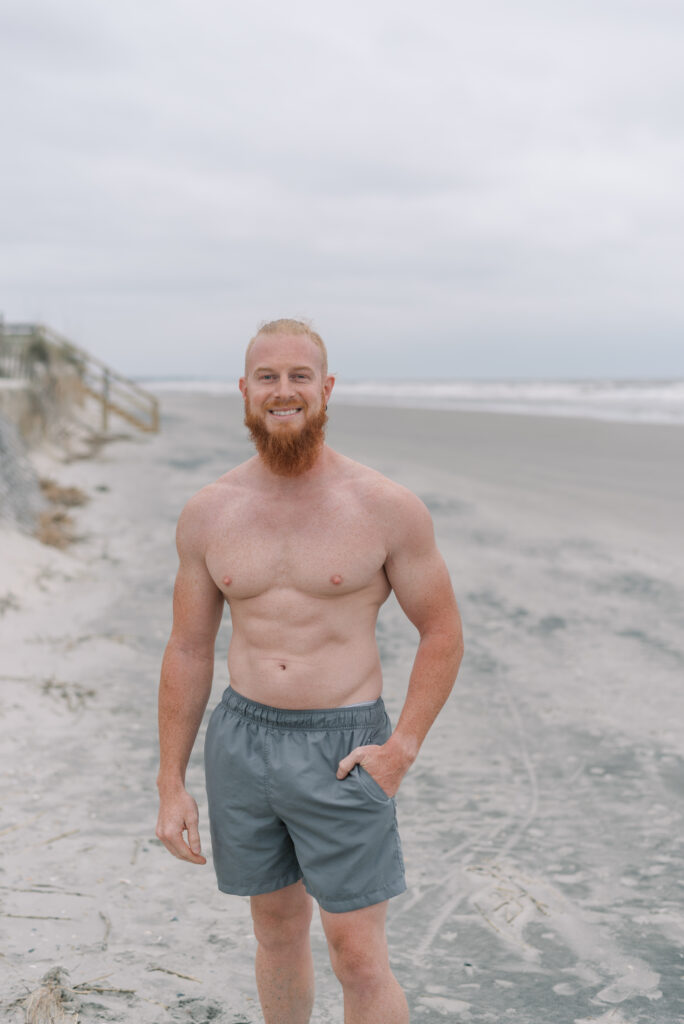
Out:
{"x": 178, "y": 814}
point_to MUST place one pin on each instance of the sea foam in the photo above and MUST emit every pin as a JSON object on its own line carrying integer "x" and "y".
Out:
{"x": 632, "y": 401}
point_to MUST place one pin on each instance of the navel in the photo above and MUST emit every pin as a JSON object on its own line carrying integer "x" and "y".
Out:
{"x": 336, "y": 580}
{"x": 227, "y": 580}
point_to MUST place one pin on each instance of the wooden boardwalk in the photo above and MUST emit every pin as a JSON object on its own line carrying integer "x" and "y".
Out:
{"x": 49, "y": 362}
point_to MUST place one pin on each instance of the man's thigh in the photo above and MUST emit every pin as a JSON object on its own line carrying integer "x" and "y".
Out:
{"x": 344, "y": 831}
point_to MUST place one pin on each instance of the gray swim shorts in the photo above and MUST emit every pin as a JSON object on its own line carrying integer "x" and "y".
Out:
{"x": 278, "y": 812}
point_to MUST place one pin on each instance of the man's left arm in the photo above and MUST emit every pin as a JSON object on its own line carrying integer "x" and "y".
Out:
{"x": 420, "y": 580}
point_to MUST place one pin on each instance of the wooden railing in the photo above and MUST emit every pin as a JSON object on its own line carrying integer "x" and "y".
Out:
{"x": 37, "y": 353}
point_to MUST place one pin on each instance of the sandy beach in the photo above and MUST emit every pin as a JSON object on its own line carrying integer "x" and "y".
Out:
{"x": 542, "y": 824}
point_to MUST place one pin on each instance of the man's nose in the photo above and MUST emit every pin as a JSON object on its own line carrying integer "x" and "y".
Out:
{"x": 284, "y": 386}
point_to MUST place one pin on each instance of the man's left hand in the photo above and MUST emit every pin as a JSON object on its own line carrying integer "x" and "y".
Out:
{"x": 387, "y": 764}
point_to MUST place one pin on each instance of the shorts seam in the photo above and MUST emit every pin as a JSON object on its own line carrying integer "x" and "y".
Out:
{"x": 260, "y": 888}
{"x": 267, "y": 771}
{"x": 363, "y": 899}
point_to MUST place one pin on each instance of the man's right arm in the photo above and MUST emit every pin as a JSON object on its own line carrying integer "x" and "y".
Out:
{"x": 185, "y": 685}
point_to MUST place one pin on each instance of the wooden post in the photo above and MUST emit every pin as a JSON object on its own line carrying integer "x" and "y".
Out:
{"x": 105, "y": 401}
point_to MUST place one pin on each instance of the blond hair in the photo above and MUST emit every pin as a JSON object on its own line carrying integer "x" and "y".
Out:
{"x": 286, "y": 326}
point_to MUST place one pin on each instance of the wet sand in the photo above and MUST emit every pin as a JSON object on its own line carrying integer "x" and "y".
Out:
{"x": 542, "y": 824}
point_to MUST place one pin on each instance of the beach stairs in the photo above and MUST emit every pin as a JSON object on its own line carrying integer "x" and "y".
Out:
{"x": 72, "y": 398}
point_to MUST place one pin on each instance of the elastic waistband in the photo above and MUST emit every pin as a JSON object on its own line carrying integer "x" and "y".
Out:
{"x": 304, "y": 718}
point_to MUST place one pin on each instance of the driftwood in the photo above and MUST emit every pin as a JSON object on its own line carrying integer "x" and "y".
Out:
{"x": 176, "y": 974}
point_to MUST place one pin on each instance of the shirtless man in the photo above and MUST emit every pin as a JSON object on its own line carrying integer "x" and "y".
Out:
{"x": 304, "y": 545}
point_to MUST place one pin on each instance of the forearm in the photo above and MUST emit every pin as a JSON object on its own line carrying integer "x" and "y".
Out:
{"x": 184, "y": 691}
{"x": 432, "y": 678}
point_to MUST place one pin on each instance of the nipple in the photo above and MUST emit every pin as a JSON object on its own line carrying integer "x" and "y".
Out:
{"x": 336, "y": 579}
{"x": 227, "y": 580}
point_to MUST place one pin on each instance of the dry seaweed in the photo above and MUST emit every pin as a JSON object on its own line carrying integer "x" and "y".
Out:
{"x": 52, "y": 1002}
{"x": 58, "y": 495}
{"x": 55, "y": 525}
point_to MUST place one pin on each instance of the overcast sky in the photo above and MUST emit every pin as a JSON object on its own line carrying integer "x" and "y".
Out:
{"x": 446, "y": 189}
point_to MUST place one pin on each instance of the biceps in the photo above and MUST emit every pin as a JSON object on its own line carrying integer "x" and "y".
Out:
{"x": 197, "y": 608}
{"x": 423, "y": 589}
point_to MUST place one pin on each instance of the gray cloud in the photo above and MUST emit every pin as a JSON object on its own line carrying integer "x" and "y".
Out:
{"x": 446, "y": 190}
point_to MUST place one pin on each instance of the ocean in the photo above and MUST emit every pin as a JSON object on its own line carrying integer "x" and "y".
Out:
{"x": 630, "y": 401}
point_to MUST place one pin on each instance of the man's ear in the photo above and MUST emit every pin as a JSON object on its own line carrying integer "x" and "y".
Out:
{"x": 242, "y": 384}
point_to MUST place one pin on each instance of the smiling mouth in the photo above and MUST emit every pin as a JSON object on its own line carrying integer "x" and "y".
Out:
{"x": 283, "y": 414}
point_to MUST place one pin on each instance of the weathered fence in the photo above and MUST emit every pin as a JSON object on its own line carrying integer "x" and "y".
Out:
{"x": 37, "y": 354}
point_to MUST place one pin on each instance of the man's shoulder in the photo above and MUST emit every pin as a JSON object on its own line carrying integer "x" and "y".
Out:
{"x": 403, "y": 518}
{"x": 206, "y": 502}
{"x": 379, "y": 493}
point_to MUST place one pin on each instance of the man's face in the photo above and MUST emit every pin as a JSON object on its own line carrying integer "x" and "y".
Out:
{"x": 285, "y": 398}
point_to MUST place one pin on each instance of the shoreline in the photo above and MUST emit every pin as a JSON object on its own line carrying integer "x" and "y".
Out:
{"x": 660, "y": 401}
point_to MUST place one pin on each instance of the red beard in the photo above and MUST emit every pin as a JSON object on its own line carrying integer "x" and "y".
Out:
{"x": 288, "y": 452}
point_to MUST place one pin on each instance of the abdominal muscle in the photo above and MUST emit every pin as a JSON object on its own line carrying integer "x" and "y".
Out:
{"x": 322, "y": 654}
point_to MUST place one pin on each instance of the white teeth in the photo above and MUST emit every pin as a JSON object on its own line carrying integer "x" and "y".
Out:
{"x": 284, "y": 412}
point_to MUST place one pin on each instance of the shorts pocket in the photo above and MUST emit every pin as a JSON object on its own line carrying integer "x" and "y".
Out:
{"x": 369, "y": 785}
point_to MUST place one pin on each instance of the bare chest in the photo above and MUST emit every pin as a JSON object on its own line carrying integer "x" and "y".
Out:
{"x": 324, "y": 550}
